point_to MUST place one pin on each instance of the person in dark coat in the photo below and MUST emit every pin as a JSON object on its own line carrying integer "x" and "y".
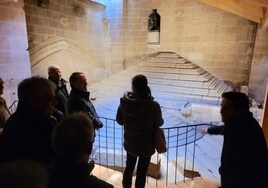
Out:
{"x": 27, "y": 134}
{"x": 60, "y": 109}
{"x": 23, "y": 174}
{"x": 79, "y": 99}
{"x": 244, "y": 159}
{"x": 72, "y": 141}
{"x": 139, "y": 113}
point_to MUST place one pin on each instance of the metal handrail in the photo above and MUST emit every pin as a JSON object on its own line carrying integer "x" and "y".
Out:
{"x": 181, "y": 140}
{"x": 181, "y": 143}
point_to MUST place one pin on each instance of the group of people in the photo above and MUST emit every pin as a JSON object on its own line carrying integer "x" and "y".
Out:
{"x": 56, "y": 129}
{"x": 51, "y": 129}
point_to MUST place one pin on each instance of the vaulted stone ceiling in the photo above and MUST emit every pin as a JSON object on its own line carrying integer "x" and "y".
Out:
{"x": 254, "y": 10}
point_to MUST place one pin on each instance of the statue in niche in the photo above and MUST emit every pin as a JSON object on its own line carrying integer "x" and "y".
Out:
{"x": 154, "y": 20}
{"x": 42, "y": 3}
{"x": 78, "y": 11}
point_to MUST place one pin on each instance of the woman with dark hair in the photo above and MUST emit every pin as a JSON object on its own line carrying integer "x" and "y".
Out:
{"x": 139, "y": 114}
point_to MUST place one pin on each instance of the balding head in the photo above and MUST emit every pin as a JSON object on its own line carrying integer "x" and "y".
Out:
{"x": 54, "y": 73}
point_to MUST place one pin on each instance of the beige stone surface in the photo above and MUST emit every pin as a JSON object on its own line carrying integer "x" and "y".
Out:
{"x": 14, "y": 57}
{"x": 116, "y": 31}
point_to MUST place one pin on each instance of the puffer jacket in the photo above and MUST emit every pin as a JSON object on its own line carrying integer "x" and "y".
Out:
{"x": 139, "y": 117}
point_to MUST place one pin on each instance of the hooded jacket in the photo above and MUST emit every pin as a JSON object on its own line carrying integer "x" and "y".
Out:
{"x": 139, "y": 117}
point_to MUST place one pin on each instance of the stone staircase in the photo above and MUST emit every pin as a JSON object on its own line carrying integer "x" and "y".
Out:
{"x": 169, "y": 73}
{"x": 174, "y": 81}
{"x": 115, "y": 178}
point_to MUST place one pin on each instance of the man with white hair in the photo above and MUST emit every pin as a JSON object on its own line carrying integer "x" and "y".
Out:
{"x": 60, "y": 109}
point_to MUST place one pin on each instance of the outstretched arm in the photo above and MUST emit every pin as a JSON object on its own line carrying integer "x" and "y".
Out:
{"x": 213, "y": 130}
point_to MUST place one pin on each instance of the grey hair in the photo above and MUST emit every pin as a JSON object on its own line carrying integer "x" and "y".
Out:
{"x": 52, "y": 67}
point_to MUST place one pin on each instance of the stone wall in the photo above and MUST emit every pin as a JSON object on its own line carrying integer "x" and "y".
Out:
{"x": 259, "y": 68}
{"x": 220, "y": 42}
{"x": 70, "y": 34}
{"x": 115, "y": 15}
{"x": 14, "y": 61}
{"x": 103, "y": 37}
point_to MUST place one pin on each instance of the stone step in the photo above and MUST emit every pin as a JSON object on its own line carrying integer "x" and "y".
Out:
{"x": 211, "y": 80}
{"x": 219, "y": 88}
{"x": 168, "y": 77}
{"x": 157, "y": 64}
{"x": 168, "y": 55}
{"x": 164, "y": 59}
{"x": 185, "y": 166}
{"x": 214, "y": 83}
{"x": 187, "y": 65}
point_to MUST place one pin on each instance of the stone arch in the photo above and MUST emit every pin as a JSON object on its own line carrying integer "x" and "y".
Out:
{"x": 67, "y": 54}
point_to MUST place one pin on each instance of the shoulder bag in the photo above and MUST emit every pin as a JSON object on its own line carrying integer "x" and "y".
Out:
{"x": 160, "y": 140}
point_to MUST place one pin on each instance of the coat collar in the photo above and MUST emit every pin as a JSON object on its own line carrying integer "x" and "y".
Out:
{"x": 83, "y": 94}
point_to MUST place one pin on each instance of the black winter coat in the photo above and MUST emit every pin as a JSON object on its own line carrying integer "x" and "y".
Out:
{"x": 79, "y": 102}
{"x": 27, "y": 135}
{"x": 61, "y": 108}
{"x": 66, "y": 174}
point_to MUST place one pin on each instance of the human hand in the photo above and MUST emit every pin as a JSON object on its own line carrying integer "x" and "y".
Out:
{"x": 97, "y": 124}
{"x": 204, "y": 131}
